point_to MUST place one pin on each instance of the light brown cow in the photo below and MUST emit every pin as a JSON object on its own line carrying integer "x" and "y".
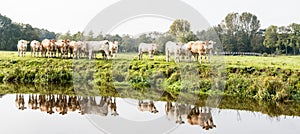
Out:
{"x": 34, "y": 48}
{"x": 201, "y": 48}
{"x": 63, "y": 46}
{"x": 22, "y": 46}
{"x": 147, "y": 106}
{"x": 197, "y": 48}
{"x": 75, "y": 48}
{"x": 49, "y": 47}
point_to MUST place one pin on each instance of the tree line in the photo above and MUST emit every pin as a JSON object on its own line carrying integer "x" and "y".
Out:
{"x": 11, "y": 32}
{"x": 236, "y": 33}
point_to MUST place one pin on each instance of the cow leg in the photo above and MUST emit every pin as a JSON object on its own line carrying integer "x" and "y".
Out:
{"x": 151, "y": 55}
{"x": 140, "y": 55}
{"x": 200, "y": 57}
{"x": 167, "y": 56}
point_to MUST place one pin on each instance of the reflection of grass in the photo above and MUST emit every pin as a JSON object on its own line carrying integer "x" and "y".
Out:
{"x": 273, "y": 109}
{"x": 263, "y": 78}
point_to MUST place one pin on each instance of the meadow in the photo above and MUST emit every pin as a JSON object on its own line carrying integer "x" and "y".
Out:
{"x": 261, "y": 78}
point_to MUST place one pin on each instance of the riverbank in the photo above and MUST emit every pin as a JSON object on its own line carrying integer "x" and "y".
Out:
{"x": 261, "y": 78}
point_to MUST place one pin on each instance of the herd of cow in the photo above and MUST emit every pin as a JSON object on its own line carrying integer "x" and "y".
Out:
{"x": 77, "y": 49}
{"x": 66, "y": 48}
{"x": 63, "y": 104}
{"x": 182, "y": 52}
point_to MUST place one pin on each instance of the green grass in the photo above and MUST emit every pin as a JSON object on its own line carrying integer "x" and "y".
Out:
{"x": 285, "y": 62}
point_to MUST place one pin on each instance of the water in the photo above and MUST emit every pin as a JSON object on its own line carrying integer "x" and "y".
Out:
{"x": 65, "y": 114}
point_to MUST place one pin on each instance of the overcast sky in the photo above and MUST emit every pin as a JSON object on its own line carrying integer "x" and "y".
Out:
{"x": 64, "y": 15}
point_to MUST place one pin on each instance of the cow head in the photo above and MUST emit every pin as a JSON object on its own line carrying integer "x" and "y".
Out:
{"x": 114, "y": 46}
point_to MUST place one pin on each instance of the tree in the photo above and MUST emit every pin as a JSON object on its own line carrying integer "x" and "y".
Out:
{"x": 181, "y": 30}
{"x": 283, "y": 38}
{"x": 239, "y": 30}
{"x": 294, "y": 37}
{"x": 271, "y": 37}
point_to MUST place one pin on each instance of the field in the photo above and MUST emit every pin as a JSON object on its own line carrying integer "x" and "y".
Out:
{"x": 261, "y": 78}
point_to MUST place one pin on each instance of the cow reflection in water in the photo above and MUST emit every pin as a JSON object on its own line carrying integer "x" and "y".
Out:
{"x": 20, "y": 103}
{"x": 33, "y": 102}
{"x": 147, "y": 106}
{"x": 177, "y": 111}
{"x": 201, "y": 116}
{"x": 195, "y": 116}
{"x": 63, "y": 104}
{"x": 106, "y": 105}
{"x": 47, "y": 103}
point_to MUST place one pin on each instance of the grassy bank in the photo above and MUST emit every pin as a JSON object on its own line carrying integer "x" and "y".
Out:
{"x": 261, "y": 78}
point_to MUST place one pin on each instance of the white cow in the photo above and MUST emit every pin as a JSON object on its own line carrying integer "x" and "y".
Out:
{"x": 185, "y": 54}
{"x": 113, "y": 48}
{"x": 22, "y": 46}
{"x": 83, "y": 49}
{"x": 173, "y": 48}
{"x": 98, "y": 46}
{"x": 80, "y": 48}
{"x": 34, "y": 47}
{"x": 150, "y": 48}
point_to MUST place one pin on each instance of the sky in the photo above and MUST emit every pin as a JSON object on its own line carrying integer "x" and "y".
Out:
{"x": 74, "y": 15}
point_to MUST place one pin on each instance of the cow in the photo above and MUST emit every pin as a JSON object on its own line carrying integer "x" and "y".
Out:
{"x": 79, "y": 52}
{"x": 201, "y": 48}
{"x": 150, "y": 48}
{"x": 49, "y": 47}
{"x": 147, "y": 106}
{"x": 173, "y": 48}
{"x": 53, "y": 48}
{"x": 83, "y": 50}
{"x": 34, "y": 47}
{"x": 98, "y": 46}
{"x": 197, "y": 49}
{"x": 22, "y": 46}
{"x": 74, "y": 48}
{"x": 63, "y": 46}
{"x": 185, "y": 54}
{"x": 113, "y": 48}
